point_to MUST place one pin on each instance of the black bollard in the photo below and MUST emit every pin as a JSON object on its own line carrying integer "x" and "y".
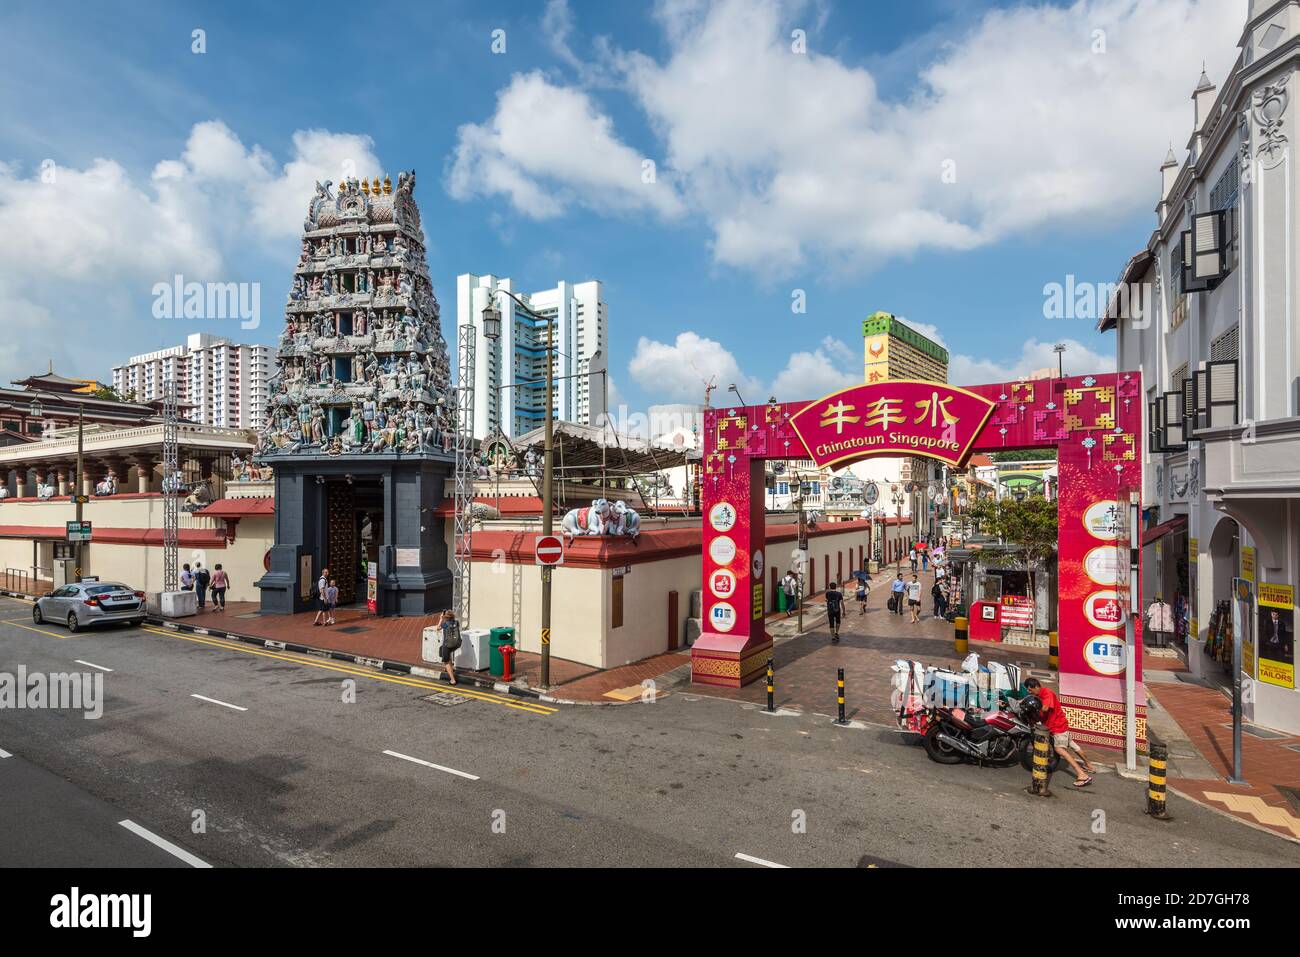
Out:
{"x": 770, "y": 687}
{"x": 1156, "y": 793}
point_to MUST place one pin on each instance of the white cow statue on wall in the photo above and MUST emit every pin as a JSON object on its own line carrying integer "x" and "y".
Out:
{"x": 587, "y": 521}
{"x": 625, "y": 522}
{"x": 44, "y": 491}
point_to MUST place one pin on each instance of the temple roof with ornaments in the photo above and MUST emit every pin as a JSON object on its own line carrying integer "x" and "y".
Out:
{"x": 363, "y": 365}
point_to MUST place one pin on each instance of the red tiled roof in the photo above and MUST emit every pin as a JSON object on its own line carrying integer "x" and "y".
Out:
{"x": 656, "y": 544}
{"x": 197, "y": 537}
{"x": 239, "y": 507}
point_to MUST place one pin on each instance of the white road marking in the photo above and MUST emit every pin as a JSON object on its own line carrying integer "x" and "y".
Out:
{"x": 91, "y": 664}
{"x": 5, "y": 754}
{"x": 223, "y": 704}
{"x": 429, "y": 764}
{"x": 168, "y": 846}
{"x": 759, "y": 860}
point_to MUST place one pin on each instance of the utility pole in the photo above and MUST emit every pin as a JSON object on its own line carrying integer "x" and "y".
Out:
{"x": 491, "y": 329}
{"x": 803, "y": 556}
{"x": 548, "y": 495}
{"x": 81, "y": 486}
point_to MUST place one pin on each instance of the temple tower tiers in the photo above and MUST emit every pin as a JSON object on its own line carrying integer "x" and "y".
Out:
{"x": 360, "y": 417}
{"x": 363, "y": 365}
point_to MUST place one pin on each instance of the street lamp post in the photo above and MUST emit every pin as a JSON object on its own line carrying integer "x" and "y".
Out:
{"x": 492, "y": 320}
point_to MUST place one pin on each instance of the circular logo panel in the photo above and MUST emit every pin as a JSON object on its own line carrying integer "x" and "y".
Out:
{"x": 722, "y": 582}
{"x": 1101, "y": 520}
{"x": 757, "y": 563}
{"x": 722, "y": 550}
{"x": 722, "y": 517}
{"x": 1104, "y": 610}
{"x": 1102, "y": 564}
{"x": 722, "y": 616}
{"x": 1105, "y": 654}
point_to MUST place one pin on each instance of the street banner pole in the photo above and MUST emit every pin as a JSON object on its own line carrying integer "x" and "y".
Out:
{"x": 1130, "y": 634}
{"x": 1242, "y": 619}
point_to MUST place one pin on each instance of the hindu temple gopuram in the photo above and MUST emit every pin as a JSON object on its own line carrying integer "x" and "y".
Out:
{"x": 360, "y": 412}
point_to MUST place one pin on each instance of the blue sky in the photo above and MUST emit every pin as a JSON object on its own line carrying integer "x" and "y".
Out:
{"x": 819, "y": 169}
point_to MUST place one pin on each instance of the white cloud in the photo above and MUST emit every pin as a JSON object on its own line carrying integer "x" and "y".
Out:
{"x": 1034, "y": 355}
{"x": 548, "y": 148}
{"x": 796, "y": 158}
{"x": 678, "y": 372}
{"x": 100, "y": 236}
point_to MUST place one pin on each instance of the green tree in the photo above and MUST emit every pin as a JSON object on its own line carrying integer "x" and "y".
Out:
{"x": 109, "y": 394}
{"x": 1024, "y": 455}
{"x": 1030, "y": 523}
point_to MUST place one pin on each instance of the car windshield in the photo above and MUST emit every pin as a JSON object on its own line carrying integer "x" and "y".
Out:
{"x": 104, "y": 589}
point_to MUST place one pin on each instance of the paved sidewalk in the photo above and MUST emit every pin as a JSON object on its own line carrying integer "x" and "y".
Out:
{"x": 1271, "y": 764}
{"x": 396, "y": 639}
{"x": 805, "y": 666}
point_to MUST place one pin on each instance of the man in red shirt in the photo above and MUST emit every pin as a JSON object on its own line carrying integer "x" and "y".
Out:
{"x": 1053, "y": 718}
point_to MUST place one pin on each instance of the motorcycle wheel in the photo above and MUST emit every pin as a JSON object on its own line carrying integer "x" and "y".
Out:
{"x": 936, "y": 750}
{"x": 1009, "y": 758}
{"x": 1027, "y": 757}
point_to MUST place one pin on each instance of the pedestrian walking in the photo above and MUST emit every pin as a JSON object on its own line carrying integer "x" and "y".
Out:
{"x": 201, "y": 579}
{"x": 220, "y": 582}
{"x": 834, "y": 610}
{"x": 861, "y": 596}
{"x": 914, "y": 598}
{"x": 318, "y": 593}
{"x": 940, "y": 600}
{"x": 790, "y": 585}
{"x": 450, "y": 642}
{"x": 913, "y": 559}
{"x": 187, "y": 577}
{"x": 897, "y": 594}
{"x": 331, "y": 600}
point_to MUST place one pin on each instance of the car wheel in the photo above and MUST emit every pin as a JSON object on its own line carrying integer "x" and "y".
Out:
{"x": 73, "y": 624}
{"x": 36, "y": 614}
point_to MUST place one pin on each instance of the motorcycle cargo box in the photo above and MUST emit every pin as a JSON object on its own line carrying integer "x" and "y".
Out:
{"x": 947, "y": 689}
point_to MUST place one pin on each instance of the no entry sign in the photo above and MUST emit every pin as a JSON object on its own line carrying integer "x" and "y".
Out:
{"x": 549, "y": 550}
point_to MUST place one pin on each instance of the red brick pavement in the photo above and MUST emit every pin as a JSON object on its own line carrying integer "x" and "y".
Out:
{"x": 24, "y": 583}
{"x": 805, "y": 667}
{"x": 1205, "y": 716}
{"x": 391, "y": 639}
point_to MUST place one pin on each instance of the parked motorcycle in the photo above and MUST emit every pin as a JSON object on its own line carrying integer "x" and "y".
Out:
{"x": 1000, "y": 738}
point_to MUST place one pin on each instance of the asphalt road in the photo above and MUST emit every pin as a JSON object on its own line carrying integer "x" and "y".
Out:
{"x": 236, "y": 756}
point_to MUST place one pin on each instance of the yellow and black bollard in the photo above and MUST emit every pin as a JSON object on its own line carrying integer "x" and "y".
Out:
{"x": 961, "y": 636}
{"x": 1053, "y": 651}
{"x": 1156, "y": 795}
{"x": 839, "y": 694}
{"x": 770, "y": 687}
{"x": 1040, "y": 777}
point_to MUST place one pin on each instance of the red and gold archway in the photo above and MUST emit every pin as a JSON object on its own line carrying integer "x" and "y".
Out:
{"x": 1093, "y": 422}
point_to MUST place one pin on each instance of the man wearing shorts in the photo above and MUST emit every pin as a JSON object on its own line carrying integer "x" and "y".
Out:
{"x": 834, "y": 610}
{"x": 322, "y": 603}
{"x": 1053, "y": 718}
{"x": 914, "y": 598}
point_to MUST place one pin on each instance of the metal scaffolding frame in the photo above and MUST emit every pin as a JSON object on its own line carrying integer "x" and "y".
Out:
{"x": 463, "y": 525}
{"x": 171, "y": 489}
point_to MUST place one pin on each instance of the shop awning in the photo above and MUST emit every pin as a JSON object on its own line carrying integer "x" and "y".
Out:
{"x": 238, "y": 507}
{"x": 1164, "y": 528}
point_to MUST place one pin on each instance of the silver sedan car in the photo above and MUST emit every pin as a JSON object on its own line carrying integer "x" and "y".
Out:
{"x": 90, "y": 603}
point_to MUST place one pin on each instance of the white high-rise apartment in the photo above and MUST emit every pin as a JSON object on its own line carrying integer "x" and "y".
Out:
{"x": 509, "y": 393}
{"x": 218, "y": 382}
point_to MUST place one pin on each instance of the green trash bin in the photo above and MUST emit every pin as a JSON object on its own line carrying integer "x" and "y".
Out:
{"x": 781, "y": 600}
{"x": 499, "y": 637}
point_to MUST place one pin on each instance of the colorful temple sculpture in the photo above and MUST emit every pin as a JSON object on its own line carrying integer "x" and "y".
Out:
{"x": 360, "y": 418}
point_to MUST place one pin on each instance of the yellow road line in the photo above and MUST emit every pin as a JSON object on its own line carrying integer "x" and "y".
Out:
{"x": 355, "y": 671}
{"x": 22, "y": 623}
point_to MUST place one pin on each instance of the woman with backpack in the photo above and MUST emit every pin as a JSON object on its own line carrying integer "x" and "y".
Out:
{"x": 450, "y": 642}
